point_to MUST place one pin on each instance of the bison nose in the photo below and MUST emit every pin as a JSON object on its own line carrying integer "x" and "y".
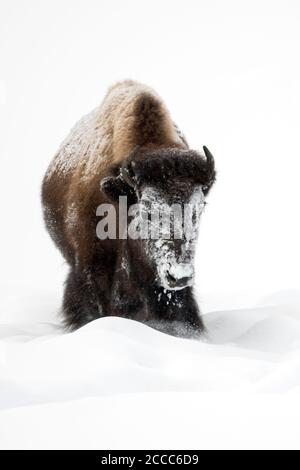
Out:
{"x": 175, "y": 283}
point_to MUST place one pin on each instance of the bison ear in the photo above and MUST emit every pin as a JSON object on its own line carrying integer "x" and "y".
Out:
{"x": 115, "y": 186}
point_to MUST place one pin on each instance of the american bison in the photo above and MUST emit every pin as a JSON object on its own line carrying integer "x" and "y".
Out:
{"x": 127, "y": 147}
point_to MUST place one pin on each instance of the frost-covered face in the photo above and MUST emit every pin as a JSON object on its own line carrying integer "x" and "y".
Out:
{"x": 170, "y": 223}
{"x": 166, "y": 189}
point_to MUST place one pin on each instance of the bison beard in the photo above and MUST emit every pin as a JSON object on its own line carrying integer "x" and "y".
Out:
{"x": 128, "y": 146}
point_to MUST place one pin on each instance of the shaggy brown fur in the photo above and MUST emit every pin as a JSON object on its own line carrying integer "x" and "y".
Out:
{"x": 132, "y": 122}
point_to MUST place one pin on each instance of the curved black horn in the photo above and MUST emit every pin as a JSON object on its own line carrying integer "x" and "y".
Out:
{"x": 125, "y": 173}
{"x": 126, "y": 170}
{"x": 209, "y": 157}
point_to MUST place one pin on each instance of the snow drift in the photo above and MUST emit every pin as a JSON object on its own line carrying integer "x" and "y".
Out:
{"x": 116, "y": 383}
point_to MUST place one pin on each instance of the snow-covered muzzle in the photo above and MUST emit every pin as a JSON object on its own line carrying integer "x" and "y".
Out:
{"x": 170, "y": 228}
{"x": 163, "y": 228}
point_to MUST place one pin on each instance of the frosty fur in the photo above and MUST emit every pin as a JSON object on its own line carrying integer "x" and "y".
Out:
{"x": 128, "y": 143}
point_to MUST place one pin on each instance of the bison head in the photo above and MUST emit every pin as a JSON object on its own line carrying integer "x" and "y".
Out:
{"x": 167, "y": 188}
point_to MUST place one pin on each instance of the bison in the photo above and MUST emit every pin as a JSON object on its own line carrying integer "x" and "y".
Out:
{"x": 127, "y": 147}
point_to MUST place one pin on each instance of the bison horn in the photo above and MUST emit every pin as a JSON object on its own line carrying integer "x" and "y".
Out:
{"x": 209, "y": 158}
{"x": 126, "y": 171}
{"x": 126, "y": 174}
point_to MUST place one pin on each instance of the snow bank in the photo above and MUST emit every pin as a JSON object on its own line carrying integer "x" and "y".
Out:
{"x": 116, "y": 383}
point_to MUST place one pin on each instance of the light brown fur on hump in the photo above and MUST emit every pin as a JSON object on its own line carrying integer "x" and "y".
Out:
{"x": 137, "y": 116}
{"x": 131, "y": 114}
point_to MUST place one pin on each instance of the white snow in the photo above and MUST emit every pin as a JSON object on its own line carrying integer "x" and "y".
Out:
{"x": 116, "y": 383}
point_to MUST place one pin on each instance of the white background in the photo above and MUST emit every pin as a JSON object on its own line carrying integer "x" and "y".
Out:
{"x": 229, "y": 73}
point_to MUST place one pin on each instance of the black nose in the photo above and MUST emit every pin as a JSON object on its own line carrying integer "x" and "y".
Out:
{"x": 173, "y": 282}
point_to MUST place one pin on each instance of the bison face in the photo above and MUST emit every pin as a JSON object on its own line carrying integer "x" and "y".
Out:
{"x": 164, "y": 229}
{"x": 168, "y": 189}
